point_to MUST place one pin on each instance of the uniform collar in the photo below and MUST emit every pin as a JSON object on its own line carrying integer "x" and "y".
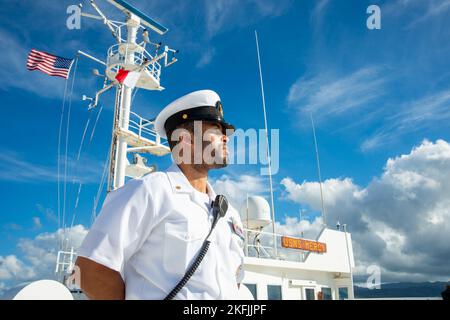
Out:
{"x": 180, "y": 184}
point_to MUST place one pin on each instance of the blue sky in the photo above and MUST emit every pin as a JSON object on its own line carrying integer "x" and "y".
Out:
{"x": 375, "y": 95}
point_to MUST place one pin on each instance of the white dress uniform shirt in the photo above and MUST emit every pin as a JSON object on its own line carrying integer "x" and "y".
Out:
{"x": 152, "y": 229}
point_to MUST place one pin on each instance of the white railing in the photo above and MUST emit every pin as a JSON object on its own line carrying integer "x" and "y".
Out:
{"x": 260, "y": 244}
{"x": 65, "y": 261}
{"x": 115, "y": 57}
{"x": 144, "y": 129}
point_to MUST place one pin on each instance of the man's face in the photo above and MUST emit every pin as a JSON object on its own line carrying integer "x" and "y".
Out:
{"x": 214, "y": 145}
{"x": 205, "y": 147}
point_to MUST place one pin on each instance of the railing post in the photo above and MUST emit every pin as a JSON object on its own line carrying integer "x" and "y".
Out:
{"x": 57, "y": 262}
{"x": 140, "y": 126}
{"x": 246, "y": 242}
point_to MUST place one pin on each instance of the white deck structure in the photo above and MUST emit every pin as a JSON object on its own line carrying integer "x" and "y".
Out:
{"x": 302, "y": 275}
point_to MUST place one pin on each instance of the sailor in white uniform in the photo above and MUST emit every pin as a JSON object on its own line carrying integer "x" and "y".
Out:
{"x": 151, "y": 230}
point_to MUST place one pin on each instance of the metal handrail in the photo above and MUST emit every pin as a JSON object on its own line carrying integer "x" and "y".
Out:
{"x": 277, "y": 235}
{"x": 139, "y": 126}
{"x": 154, "y": 68}
{"x": 257, "y": 242}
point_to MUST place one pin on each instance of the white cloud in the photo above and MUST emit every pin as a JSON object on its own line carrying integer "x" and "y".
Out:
{"x": 47, "y": 212}
{"x": 426, "y": 9}
{"x": 292, "y": 226}
{"x": 376, "y": 140}
{"x": 236, "y": 189}
{"x": 340, "y": 194}
{"x": 309, "y": 192}
{"x": 14, "y": 168}
{"x": 38, "y": 257}
{"x": 356, "y": 96}
{"x": 432, "y": 9}
{"x": 37, "y": 223}
{"x": 401, "y": 220}
{"x": 12, "y": 268}
{"x": 422, "y": 114}
{"x": 206, "y": 57}
{"x": 330, "y": 96}
{"x": 319, "y": 11}
{"x": 224, "y": 15}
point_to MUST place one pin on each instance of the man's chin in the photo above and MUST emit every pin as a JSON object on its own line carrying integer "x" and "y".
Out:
{"x": 219, "y": 165}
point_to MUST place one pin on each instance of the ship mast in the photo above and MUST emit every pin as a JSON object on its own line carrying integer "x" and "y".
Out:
{"x": 131, "y": 133}
{"x": 123, "y": 105}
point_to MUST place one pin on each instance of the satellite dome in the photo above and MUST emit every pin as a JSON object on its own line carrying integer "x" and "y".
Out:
{"x": 255, "y": 213}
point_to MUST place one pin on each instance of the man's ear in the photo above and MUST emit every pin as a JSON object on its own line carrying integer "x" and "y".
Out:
{"x": 185, "y": 137}
{"x": 181, "y": 135}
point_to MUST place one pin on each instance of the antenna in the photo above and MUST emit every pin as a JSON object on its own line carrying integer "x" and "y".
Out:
{"x": 318, "y": 171}
{"x": 110, "y": 24}
{"x": 351, "y": 294}
{"x": 145, "y": 20}
{"x": 268, "y": 147}
{"x": 301, "y": 218}
{"x": 247, "y": 234}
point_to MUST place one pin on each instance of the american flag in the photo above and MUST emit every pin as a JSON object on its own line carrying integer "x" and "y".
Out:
{"x": 49, "y": 64}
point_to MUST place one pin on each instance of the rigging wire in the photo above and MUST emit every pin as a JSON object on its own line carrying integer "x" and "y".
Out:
{"x": 100, "y": 188}
{"x": 75, "y": 177}
{"x": 59, "y": 154}
{"x": 134, "y": 95}
{"x": 84, "y": 135}
{"x": 66, "y": 146}
{"x": 102, "y": 181}
{"x": 95, "y": 124}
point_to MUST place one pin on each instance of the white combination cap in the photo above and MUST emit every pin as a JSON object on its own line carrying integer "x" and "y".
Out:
{"x": 202, "y": 105}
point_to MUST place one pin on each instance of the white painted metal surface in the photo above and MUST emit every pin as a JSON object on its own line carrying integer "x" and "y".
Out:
{"x": 44, "y": 290}
{"x": 317, "y": 271}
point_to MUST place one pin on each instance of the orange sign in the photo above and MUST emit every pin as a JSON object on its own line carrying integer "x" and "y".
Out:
{"x": 294, "y": 243}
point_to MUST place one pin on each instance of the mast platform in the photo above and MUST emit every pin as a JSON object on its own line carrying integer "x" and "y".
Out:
{"x": 142, "y": 144}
